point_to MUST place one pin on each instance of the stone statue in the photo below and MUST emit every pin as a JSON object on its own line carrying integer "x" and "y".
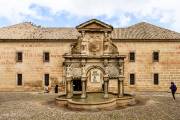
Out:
{"x": 68, "y": 70}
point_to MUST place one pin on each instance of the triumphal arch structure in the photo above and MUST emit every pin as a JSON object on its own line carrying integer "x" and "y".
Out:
{"x": 93, "y": 61}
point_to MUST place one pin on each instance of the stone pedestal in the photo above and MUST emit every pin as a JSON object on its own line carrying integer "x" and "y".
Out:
{"x": 120, "y": 87}
{"x": 106, "y": 80}
{"x": 69, "y": 88}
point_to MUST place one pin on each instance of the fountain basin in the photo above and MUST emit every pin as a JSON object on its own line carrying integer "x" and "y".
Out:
{"x": 95, "y": 101}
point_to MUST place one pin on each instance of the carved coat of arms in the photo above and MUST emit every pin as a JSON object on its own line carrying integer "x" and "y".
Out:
{"x": 94, "y": 46}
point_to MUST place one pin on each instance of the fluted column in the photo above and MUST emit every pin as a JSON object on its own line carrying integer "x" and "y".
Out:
{"x": 120, "y": 86}
{"x": 69, "y": 87}
{"x": 83, "y": 80}
{"x": 106, "y": 79}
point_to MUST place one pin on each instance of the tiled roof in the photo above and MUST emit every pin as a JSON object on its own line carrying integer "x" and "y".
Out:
{"x": 142, "y": 30}
{"x": 29, "y": 31}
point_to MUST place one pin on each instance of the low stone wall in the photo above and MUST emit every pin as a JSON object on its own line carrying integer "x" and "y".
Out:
{"x": 113, "y": 103}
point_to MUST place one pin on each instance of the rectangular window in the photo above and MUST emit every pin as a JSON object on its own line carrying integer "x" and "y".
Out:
{"x": 19, "y": 57}
{"x": 19, "y": 79}
{"x": 132, "y": 79}
{"x": 155, "y": 56}
{"x": 46, "y": 56}
{"x": 132, "y": 56}
{"x": 46, "y": 79}
{"x": 156, "y": 79}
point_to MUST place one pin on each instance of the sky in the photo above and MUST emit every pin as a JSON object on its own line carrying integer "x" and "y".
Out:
{"x": 70, "y": 13}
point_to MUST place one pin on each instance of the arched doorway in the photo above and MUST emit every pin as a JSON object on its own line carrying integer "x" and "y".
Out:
{"x": 77, "y": 85}
{"x": 95, "y": 79}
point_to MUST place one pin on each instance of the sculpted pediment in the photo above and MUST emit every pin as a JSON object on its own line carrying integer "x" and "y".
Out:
{"x": 95, "y": 40}
{"x": 94, "y": 25}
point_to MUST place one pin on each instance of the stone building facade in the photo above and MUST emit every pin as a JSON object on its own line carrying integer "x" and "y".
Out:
{"x": 32, "y": 57}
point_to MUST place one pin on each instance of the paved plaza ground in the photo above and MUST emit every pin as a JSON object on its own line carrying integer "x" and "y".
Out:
{"x": 40, "y": 106}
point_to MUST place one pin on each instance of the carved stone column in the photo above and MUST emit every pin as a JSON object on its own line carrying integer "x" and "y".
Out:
{"x": 106, "y": 80}
{"x": 83, "y": 80}
{"x": 69, "y": 87}
{"x": 64, "y": 78}
{"x": 68, "y": 79}
{"x": 120, "y": 86}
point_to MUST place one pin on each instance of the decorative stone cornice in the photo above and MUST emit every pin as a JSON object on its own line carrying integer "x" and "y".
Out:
{"x": 146, "y": 40}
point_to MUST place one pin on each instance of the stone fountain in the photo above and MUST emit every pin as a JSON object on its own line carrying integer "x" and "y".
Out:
{"x": 92, "y": 62}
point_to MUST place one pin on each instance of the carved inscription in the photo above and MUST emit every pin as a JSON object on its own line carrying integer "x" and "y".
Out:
{"x": 95, "y": 75}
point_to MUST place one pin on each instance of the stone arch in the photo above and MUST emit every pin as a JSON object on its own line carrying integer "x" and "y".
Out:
{"x": 93, "y": 67}
{"x": 95, "y": 85}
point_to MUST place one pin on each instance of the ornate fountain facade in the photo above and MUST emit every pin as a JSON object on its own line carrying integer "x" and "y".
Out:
{"x": 93, "y": 61}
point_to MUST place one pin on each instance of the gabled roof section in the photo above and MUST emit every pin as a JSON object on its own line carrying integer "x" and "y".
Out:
{"x": 94, "y": 25}
{"x": 144, "y": 30}
{"x": 28, "y": 30}
{"x": 141, "y": 31}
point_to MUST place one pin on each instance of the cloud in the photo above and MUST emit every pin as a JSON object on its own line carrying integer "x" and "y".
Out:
{"x": 117, "y": 12}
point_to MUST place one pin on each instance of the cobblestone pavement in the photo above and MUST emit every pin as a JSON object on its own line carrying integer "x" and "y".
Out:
{"x": 40, "y": 106}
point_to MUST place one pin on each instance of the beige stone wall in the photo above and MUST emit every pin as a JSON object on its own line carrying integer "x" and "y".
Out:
{"x": 32, "y": 68}
{"x": 168, "y": 66}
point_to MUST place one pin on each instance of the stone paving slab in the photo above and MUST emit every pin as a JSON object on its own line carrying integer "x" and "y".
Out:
{"x": 40, "y": 106}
